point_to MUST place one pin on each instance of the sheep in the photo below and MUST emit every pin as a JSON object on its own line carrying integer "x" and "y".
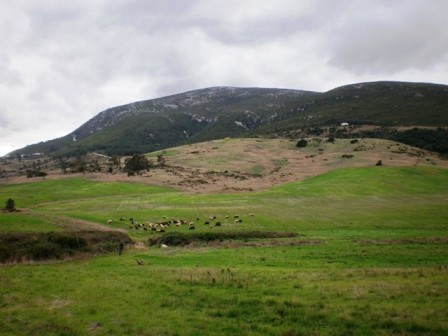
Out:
{"x": 206, "y": 223}
{"x": 139, "y": 262}
{"x": 191, "y": 228}
{"x": 163, "y": 246}
{"x": 218, "y": 224}
{"x": 251, "y": 214}
{"x": 236, "y": 216}
{"x": 109, "y": 221}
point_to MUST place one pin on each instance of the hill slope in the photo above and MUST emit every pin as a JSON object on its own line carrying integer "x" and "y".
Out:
{"x": 220, "y": 112}
{"x": 238, "y": 164}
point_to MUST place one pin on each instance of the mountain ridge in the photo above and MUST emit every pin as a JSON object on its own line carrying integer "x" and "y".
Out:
{"x": 226, "y": 111}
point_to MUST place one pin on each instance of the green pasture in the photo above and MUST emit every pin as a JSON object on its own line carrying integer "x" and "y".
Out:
{"x": 370, "y": 258}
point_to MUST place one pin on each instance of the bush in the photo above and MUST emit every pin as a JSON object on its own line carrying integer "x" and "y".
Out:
{"x": 178, "y": 238}
{"x": 10, "y": 205}
{"x": 15, "y": 247}
{"x": 67, "y": 240}
{"x": 136, "y": 164}
{"x": 302, "y": 143}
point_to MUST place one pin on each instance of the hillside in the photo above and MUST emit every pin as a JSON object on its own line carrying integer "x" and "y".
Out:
{"x": 220, "y": 112}
{"x": 234, "y": 164}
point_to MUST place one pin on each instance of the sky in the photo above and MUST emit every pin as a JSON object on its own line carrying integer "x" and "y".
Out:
{"x": 63, "y": 62}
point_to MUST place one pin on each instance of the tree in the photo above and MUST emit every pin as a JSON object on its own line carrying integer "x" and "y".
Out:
{"x": 10, "y": 205}
{"x": 137, "y": 163}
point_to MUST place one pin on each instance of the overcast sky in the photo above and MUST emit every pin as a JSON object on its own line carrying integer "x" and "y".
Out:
{"x": 63, "y": 62}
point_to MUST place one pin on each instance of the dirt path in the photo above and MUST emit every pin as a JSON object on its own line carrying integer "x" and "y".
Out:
{"x": 71, "y": 224}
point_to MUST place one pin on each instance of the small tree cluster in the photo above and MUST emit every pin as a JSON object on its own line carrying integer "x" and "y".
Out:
{"x": 136, "y": 163}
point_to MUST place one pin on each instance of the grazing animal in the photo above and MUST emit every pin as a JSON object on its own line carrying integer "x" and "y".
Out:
{"x": 164, "y": 246}
{"x": 236, "y": 216}
{"x": 139, "y": 262}
{"x": 191, "y": 228}
{"x": 206, "y": 223}
{"x": 218, "y": 224}
{"x": 109, "y": 221}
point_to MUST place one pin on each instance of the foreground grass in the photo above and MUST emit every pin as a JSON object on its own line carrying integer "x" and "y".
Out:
{"x": 247, "y": 291}
{"x": 376, "y": 262}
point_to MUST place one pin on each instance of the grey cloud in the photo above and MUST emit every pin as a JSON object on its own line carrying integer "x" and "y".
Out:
{"x": 393, "y": 40}
{"x": 63, "y": 62}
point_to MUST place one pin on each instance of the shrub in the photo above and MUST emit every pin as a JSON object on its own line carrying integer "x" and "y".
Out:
{"x": 137, "y": 163}
{"x": 10, "y": 205}
{"x": 302, "y": 143}
{"x": 178, "y": 238}
{"x": 67, "y": 240}
{"x": 55, "y": 245}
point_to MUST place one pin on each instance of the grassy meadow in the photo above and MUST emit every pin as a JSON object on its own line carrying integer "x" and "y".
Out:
{"x": 370, "y": 258}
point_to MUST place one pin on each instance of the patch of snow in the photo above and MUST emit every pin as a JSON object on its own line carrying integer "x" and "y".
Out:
{"x": 240, "y": 124}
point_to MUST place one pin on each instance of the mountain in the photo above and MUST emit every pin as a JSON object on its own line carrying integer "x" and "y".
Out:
{"x": 220, "y": 112}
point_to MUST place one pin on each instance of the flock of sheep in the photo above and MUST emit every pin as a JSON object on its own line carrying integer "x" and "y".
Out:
{"x": 162, "y": 226}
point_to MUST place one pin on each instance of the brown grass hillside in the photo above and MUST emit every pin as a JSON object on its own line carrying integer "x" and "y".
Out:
{"x": 255, "y": 164}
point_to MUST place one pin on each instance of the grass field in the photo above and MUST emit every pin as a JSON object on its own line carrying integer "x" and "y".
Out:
{"x": 370, "y": 258}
